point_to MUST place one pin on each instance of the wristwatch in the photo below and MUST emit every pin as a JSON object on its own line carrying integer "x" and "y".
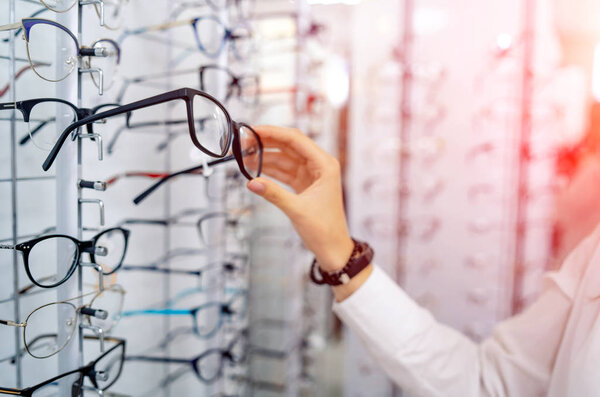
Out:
{"x": 361, "y": 257}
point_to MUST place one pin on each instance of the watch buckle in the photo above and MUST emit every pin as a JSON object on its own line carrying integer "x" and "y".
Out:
{"x": 344, "y": 278}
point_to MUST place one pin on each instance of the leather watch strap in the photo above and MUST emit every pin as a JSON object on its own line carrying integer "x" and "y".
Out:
{"x": 361, "y": 257}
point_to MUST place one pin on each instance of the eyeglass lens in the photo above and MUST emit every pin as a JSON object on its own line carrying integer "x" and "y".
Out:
{"x": 109, "y": 367}
{"x": 110, "y": 249}
{"x": 51, "y": 259}
{"x": 209, "y": 34}
{"x": 59, "y": 320}
{"x": 108, "y": 64}
{"x": 47, "y": 120}
{"x": 212, "y": 129}
{"x": 251, "y": 156}
{"x": 58, "y": 5}
{"x": 111, "y": 301}
{"x": 55, "y": 48}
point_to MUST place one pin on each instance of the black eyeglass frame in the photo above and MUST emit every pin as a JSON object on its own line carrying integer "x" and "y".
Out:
{"x": 87, "y": 370}
{"x": 224, "y": 354}
{"x": 82, "y": 246}
{"x": 26, "y": 106}
{"x": 186, "y": 94}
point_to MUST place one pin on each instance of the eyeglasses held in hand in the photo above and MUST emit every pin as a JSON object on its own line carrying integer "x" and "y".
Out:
{"x": 106, "y": 248}
{"x": 103, "y": 372}
{"x": 219, "y": 133}
{"x": 101, "y": 313}
{"x": 206, "y": 29}
{"x": 208, "y": 366}
{"x": 41, "y": 35}
{"x": 41, "y": 116}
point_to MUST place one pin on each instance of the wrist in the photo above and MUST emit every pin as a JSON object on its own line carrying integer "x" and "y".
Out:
{"x": 342, "y": 292}
{"x": 336, "y": 256}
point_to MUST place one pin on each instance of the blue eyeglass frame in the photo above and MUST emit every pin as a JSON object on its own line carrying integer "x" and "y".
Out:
{"x": 27, "y": 23}
{"x": 225, "y": 311}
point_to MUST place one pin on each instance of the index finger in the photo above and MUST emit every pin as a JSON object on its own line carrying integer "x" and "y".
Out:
{"x": 293, "y": 140}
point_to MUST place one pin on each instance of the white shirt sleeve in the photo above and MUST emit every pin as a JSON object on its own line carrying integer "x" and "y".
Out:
{"x": 426, "y": 358}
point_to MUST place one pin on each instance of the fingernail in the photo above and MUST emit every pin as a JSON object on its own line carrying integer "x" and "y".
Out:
{"x": 256, "y": 187}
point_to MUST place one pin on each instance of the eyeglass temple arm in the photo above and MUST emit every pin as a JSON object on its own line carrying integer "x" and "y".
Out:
{"x": 13, "y": 392}
{"x": 158, "y": 312}
{"x": 13, "y": 324}
{"x": 158, "y": 359}
{"x": 165, "y": 270}
{"x": 155, "y": 100}
{"x": 12, "y": 26}
{"x": 142, "y": 196}
{"x": 7, "y": 106}
{"x": 7, "y": 247}
{"x": 153, "y": 28}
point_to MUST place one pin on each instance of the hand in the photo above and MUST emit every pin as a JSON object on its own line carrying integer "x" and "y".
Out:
{"x": 316, "y": 208}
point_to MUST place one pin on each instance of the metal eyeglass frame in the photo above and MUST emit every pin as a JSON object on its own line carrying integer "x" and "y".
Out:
{"x": 88, "y": 246}
{"x": 234, "y": 82}
{"x": 85, "y": 310}
{"x": 229, "y": 34}
{"x": 25, "y": 107}
{"x": 98, "y": 6}
{"x": 224, "y": 354}
{"x": 88, "y": 371}
{"x": 27, "y": 23}
{"x": 215, "y": 7}
{"x": 224, "y": 312}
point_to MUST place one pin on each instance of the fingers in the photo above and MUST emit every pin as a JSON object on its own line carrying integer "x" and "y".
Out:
{"x": 281, "y": 176}
{"x": 282, "y": 161}
{"x": 292, "y": 140}
{"x": 274, "y": 193}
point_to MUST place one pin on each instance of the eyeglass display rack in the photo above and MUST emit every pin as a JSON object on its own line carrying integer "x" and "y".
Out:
{"x": 280, "y": 260}
{"x": 76, "y": 213}
{"x": 166, "y": 379}
{"x": 26, "y": 185}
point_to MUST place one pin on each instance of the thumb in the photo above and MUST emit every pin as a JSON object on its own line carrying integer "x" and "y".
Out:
{"x": 272, "y": 192}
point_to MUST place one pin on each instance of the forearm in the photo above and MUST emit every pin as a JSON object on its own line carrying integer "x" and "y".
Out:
{"x": 426, "y": 358}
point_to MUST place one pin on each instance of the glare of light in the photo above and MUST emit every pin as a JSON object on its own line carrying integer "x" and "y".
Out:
{"x": 429, "y": 20}
{"x": 337, "y": 81}
{"x": 504, "y": 41}
{"x": 596, "y": 74}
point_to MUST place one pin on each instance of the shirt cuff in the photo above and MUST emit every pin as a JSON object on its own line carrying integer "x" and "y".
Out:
{"x": 380, "y": 310}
